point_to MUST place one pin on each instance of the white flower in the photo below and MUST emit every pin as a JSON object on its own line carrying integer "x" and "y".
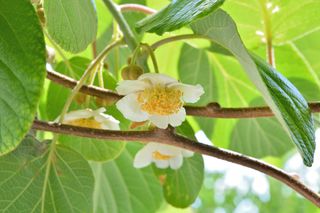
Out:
{"x": 91, "y": 119}
{"x": 162, "y": 155}
{"x": 156, "y": 97}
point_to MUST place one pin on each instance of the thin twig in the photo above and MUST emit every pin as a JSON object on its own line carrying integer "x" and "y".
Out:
{"x": 212, "y": 110}
{"x": 170, "y": 138}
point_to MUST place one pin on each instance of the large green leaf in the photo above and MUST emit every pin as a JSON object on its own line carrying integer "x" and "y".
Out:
{"x": 253, "y": 137}
{"x": 119, "y": 187}
{"x": 72, "y": 24}
{"x": 91, "y": 149}
{"x": 176, "y": 15}
{"x": 283, "y": 98}
{"x": 182, "y": 186}
{"x": 33, "y": 179}
{"x": 194, "y": 68}
{"x": 289, "y": 19}
{"x": 22, "y": 70}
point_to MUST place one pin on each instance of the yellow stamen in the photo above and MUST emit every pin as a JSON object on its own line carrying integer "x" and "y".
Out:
{"x": 160, "y": 100}
{"x": 158, "y": 156}
{"x": 85, "y": 122}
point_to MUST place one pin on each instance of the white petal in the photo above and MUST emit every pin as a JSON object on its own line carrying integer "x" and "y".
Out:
{"x": 143, "y": 158}
{"x": 77, "y": 114}
{"x": 168, "y": 150}
{"x": 187, "y": 153}
{"x": 191, "y": 93}
{"x": 130, "y": 108}
{"x": 131, "y": 86}
{"x": 178, "y": 118}
{"x": 162, "y": 164}
{"x": 176, "y": 163}
{"x": 156, "y": 78}
{"x": 160, "y": 121}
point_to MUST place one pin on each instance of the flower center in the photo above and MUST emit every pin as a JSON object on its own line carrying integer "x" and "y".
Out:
{"x": 158, "y": 156}
{"x": 85, "y": 122}
{"x": 160, "y": 100}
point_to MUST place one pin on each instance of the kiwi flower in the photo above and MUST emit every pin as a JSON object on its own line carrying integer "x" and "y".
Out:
{"x": 91, "y": 118}
{"x": 162, "y": 155}
{"x": 156, "y": 97}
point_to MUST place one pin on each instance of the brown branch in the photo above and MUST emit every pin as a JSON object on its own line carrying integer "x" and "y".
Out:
{"x": 212, "y": 110}
{"x": 136, "y": 8}
{"x": 170, "y": 138}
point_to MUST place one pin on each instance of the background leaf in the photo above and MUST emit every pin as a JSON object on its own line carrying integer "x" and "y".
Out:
{"x": 283, "y": 98}
{"x": 72, "y": 24}
{"x": 22, "y": 70}
{"x": 24, "y": 186}
{"x": 121, "y": 188}
{"x": 176, "y": 15}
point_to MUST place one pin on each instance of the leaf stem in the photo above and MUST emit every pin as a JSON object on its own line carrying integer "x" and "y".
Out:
{"x": 267, "y": 32}
{"x": 92, "y": 67}
{"x": 127, "y": 33}
{"x": 164, "y": 41}
{"x": 153, "y": 57}
{"x": 137, "y": 8}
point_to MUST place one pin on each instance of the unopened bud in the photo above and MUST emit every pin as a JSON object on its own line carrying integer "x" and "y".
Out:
{"x": 103, "y": 102}
{"x": 131, "y": 72}
{"x": 40, "y": 13}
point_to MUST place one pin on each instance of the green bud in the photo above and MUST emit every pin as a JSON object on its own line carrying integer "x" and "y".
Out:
{"x": 131, "y": 72}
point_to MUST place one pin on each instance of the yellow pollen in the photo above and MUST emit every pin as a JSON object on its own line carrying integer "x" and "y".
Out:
{"x": 85, "y": 122}
{"x": 160, "y": 100}
{"x": 158, "y": 156}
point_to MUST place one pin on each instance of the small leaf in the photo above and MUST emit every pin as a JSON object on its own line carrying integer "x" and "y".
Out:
{"x": 72, "y": 24}
{"x": 34, "y": 179}
{"x": 22, "y": 70}
{"x": 284, "y": 99}
{"x": 181, "y": 187}
{"x": 121, "y": 188}
{"x": 176, "y": 15}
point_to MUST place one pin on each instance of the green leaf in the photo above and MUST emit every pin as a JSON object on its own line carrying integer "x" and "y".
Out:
{"x": 181, "y": 187}
{"x": 33, "y": 179}
{"x": 254, "y": 137}
{"x": 284, "y": 99}
{"x": 289, "y": 19}
{"x": 91, "y": 149}
{"x": 119, "y": 187}
{"x": 294, "y": 109}
{"x": 194, "y": 68}
{"x": 22, "y": 70}
{"x": 72, "y": 24}
{"x": 176, "y": 15}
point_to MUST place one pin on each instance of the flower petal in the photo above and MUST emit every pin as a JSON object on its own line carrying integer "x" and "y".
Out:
{"x": 130, "y": 108}
{"x": 191, "y": 93}
{"x": 178, "y": 118}
{"x": 187, "y": 153}
{"x": 130, "y": 86}
{"x": 77, "y": 114}
{"x": 160, "y": 121}
{"x": 143, "y": 158}
{"x": 168, "y": 150}
{"x": 156, "y": 78}
{"x": 176, "y": 163}
{"x": 162, "y": 164}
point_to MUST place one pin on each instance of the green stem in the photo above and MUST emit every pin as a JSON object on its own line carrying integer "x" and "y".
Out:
{"x": 84, "y": 77}
{"x": 127, "y": 33}
{"x": 100, "y": 76}
{"x": 153, "y": 57}
{"x": 164, "y": 41}
{"x": 267, "y": 32}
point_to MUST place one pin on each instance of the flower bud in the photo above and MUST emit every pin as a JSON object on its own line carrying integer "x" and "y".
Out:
{"x": 131, "y": 72}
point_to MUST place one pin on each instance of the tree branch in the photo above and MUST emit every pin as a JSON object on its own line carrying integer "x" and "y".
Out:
{"x": 136, "y": 8}
{"x": 170, "y": 138}
{"x": 212, "y": 110}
